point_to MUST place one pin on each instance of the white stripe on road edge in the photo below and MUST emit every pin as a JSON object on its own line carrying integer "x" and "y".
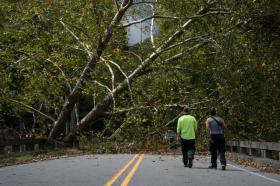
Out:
{"x": 256, "y": 174}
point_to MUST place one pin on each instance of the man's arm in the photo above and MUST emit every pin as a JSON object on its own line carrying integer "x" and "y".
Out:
{"x": 196, "y": 129}
{"x": 207, "y": 126}
{"x": 207, "y": 123}
{"x": 178, "y": 131}
{"x": 195, "y": 125}
{"x": 178, "y": 137}
{"x": 223, "y": 123}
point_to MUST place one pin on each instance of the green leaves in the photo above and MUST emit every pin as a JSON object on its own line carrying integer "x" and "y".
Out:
{"x": 43, "y": 53}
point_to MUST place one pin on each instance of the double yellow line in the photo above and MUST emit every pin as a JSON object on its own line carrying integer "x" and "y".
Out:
{"x": 130, "y": 174}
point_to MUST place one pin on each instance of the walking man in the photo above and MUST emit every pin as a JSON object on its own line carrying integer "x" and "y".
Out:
{"x": 186, "y": 131}
{"x": 215, "y": 129}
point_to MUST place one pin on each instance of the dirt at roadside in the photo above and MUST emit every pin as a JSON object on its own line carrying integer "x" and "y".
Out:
{"x": 251, "y": 162}
{"x": 29, "y": 158}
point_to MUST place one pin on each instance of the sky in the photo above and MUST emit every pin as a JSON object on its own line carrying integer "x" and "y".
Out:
{"x": 140, "y": 32}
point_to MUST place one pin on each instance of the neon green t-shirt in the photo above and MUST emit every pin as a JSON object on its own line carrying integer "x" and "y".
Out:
{"x": 187, "y": 126}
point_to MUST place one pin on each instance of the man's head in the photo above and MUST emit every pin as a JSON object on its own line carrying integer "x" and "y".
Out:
{"x": 186, "y": 110}
{"x": 212, "y": 111}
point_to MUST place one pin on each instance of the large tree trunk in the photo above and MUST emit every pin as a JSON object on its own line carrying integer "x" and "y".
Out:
{"x": 64, "y": 115}
{"x": 72, "y": 99}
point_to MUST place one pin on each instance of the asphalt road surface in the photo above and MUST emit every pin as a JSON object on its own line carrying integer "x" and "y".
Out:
{"x": 132, "y": 169}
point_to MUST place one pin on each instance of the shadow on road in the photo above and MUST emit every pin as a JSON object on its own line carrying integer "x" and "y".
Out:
{"x": 216, "y": 169}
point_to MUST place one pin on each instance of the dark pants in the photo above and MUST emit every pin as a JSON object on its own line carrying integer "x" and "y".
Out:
{"x": 217, "y": 143}
{"x": 188, "y": 149}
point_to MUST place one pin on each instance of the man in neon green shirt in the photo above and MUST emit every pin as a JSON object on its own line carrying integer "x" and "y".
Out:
{"x": 186, "y": 131}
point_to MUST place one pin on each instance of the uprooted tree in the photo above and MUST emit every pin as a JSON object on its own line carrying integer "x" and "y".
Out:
{"x": 73, "y": 65}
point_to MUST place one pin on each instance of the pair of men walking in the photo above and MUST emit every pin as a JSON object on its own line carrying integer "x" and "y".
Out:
{"x": 187, "y": 130}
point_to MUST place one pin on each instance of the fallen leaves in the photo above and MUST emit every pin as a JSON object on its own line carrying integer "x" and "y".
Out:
{"x": 253, "y": 163}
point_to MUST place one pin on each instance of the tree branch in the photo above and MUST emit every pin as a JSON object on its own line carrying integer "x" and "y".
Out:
{"x": 123, "y": 111}
{"x": 152, "y": 25}
{"x": 148, "y": 18}
{"x": 106, "y": 87}
{"x": 175, "y": 68}
{"x": 180, "y": 55}
{"x": 171, "y": 17}
{"x": 85, "y": 46}
{"x": 103, "y": 42}
{"x": 117, "y": 5}
{"x": 62, "y": 72}
{"x": 31, "y": 108}
{"x": 136, "y": 55}
{"x": 123, "y": 73}
{"x": 183, "y": 42}
{"x": 112, "y": 74}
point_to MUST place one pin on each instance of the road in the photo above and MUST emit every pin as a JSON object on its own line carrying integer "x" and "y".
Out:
{"x": 131, "y": 169}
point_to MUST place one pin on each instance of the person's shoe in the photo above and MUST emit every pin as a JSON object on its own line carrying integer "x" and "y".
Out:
{"x": 190, "y": 163}
{"x": 223, "y": 167}
{"x": 212, "y": 167}
{"x": 185, "y": 163}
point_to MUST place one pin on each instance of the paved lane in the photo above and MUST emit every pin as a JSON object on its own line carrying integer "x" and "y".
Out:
{"x": 131, "y": 169}
{"x": 72, "y": 171}
{"x": 169, "y": 171}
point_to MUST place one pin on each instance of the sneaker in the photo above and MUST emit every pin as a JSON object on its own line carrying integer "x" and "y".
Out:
{"x": 223, "y": 167}
{"x": 212, "y": 167}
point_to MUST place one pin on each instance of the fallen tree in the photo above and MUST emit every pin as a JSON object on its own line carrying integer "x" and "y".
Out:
{"x": 182, "y": 39}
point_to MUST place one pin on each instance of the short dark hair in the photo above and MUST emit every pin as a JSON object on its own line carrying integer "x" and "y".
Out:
{"x": 186, "y": 109}
{"x": 213, "y": 111}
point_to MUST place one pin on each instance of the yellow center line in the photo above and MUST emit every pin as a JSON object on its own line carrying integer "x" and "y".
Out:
{"x": 131, "y": 173}
{"x": 116, "y": 176}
